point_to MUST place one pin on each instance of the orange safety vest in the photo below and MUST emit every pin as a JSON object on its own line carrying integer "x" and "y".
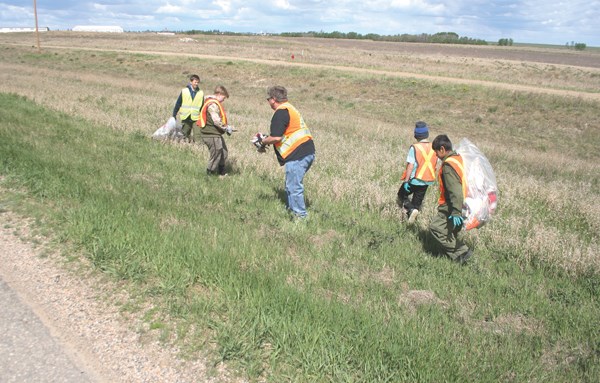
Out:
{"x": 458, "y": 165}
{"x": 296, "y": 133}
{"x": 191, "y": 108}
{"x": 202, "y": 120}
{"x": 426, "y": 161}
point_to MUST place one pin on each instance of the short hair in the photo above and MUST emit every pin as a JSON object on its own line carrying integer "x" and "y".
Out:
{"x": 441, "y": 141}
{"x": 194, "y": 77}
{"x": 279, "y": 93}
{"x": 220, "y": 89}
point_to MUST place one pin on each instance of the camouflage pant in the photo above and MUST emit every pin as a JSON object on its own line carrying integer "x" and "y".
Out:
{"x": 444, "y": 232}
{"x": 218, "y": 153}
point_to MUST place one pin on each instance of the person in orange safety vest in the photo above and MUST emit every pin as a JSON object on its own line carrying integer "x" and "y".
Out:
{"x": 212, "y": 124}
{"x": 448, "y": 222}
{"x": 419, "y": 173}
{"x": 294, "y": 147}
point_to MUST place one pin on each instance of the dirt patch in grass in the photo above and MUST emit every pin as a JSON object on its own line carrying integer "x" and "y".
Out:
{"x": 414, "y": 298}
{"x": 512, "y": 323}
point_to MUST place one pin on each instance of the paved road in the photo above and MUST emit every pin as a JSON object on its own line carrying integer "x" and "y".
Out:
{"x": 28, "y": 351}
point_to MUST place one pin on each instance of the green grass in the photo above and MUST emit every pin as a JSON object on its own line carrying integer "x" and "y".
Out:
{"x": 353, "y": 295}
{"x": 349, "y": 296}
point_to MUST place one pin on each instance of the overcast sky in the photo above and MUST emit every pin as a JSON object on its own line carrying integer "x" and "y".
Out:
{"x": 529, "y": 21}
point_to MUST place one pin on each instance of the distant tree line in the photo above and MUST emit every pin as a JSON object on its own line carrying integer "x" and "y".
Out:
{"x": 505, "y": 42}
{"x": 214, "y": 32}
{"x": 441, "y": 37}
{"x": 576, "y": 46}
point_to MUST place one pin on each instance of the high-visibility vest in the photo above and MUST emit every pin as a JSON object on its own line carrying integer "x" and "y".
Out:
{"x": 202, "y": 119}
{"x": 191, "y": 108}
{"x": 296, "y": 133}
{"x": 457, "y": 164}
{"x": 426, "y": 160}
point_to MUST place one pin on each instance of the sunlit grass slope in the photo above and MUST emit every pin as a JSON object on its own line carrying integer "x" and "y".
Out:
{"x": 349, "y": 296}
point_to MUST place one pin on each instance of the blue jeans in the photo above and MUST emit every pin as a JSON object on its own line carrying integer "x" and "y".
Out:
{"x": 294, "y": 188}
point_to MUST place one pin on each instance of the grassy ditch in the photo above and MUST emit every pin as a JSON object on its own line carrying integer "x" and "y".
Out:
{"x": 352, "y": 295}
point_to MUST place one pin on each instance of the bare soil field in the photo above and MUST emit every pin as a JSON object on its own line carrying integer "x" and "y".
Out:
{"x": 233, "y": 44}
{"x": 522, "y": 67}
{"x": 528, "y": 54}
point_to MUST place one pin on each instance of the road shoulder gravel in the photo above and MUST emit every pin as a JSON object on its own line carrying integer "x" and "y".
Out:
{"x": 96, "y": 341}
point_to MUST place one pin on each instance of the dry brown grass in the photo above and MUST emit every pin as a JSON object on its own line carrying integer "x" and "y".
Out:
{"x": 543, "y": 147}
{"x": 415, "y": 298}
{"x": 562, "y": 69}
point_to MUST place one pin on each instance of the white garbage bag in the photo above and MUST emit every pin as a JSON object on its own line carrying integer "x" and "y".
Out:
{"x": 482, "y": 189}
{"x": 169, "y": 131}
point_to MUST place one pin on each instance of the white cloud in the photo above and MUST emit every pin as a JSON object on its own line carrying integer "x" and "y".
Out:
{"x": 418, "y": 5}
{"x": 282, "y": 4}
{"x": 171, "y": 9}
{"x": 225, "y": 5}
{"x": 99, "y": 7}
{"x": 8, "y": 11}
{"x": 542, "y": 21}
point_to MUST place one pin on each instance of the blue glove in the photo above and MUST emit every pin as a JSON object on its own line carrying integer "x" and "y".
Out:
{"x": 457, "y": 220}
{"x": 406, "y": 187}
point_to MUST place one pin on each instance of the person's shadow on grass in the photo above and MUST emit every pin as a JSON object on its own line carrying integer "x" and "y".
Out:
{"x": 430, "y": 246}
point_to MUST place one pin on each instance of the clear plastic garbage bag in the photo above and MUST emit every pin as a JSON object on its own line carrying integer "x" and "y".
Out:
{"x": 482, "y": 189}
{"x": 169, "y": 131}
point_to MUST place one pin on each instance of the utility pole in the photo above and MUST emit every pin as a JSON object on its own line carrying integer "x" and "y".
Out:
{"x": 37, "y": 32}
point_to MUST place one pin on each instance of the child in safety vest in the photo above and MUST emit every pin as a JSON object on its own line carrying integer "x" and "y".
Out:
{"x": 211, "y": 126}
{"x": 448, "y": 222}
{"x": 188, "y": 106}
{"x": 419, "y": 173}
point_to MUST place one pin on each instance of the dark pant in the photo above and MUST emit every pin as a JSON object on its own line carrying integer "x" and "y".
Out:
{"x": 218, "y": 154}
{"x": 187, "y": 126}
{"x": 447, "y": 236}
{"x": 418, "y": 194}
